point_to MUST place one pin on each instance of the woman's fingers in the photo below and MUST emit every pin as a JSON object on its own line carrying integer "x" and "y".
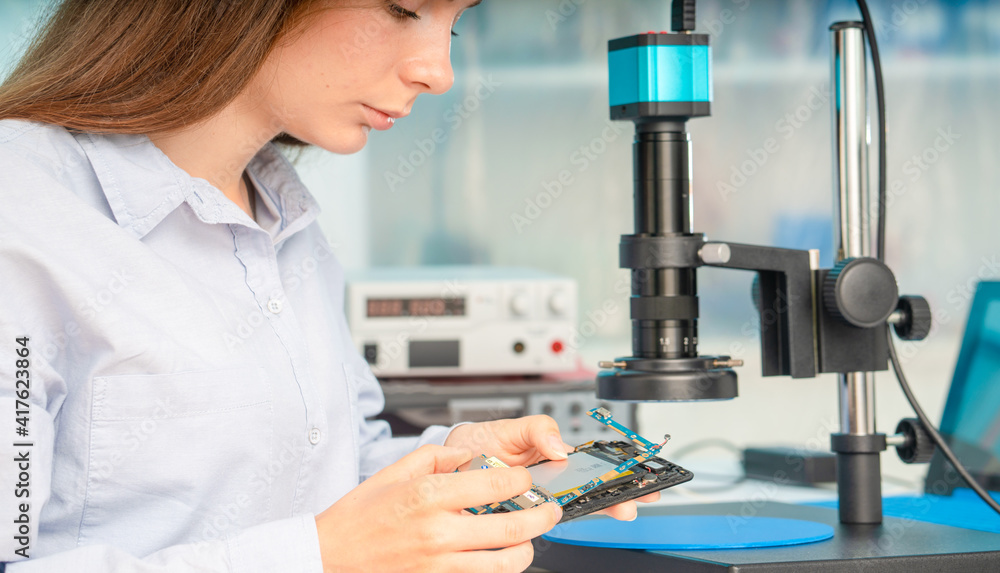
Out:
{"x": 542, "y": 433}
{"x": 509, "y": 560}
{"x": 425, "y": 460}
{"x": 649, "y": 497}
{"x": 495, "y": 530}
{"x": 455, "y": 491}
{"x": 628, "y": 511}
{"x": 625, "y": 511}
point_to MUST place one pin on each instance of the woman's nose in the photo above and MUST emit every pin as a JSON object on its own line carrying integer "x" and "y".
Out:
{"x": 429, "y": 69}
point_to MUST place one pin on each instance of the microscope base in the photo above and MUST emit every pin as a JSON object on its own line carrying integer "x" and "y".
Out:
{"x": 898, "y": 545}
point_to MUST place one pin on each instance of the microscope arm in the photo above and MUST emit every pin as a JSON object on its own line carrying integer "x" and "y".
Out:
{"x": 784, "y": 295}
{"x": 815, "y": 320}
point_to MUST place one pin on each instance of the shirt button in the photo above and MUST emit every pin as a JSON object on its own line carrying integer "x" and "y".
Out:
{"x": 274, "y": 305}
{"x": 314, "y": 436}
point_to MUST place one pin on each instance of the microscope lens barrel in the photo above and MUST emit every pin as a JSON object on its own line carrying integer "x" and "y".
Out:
{"x": 662, "y": 164}
{"x": 659, "y": 81}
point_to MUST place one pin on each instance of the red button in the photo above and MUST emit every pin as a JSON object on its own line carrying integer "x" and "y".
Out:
{"x": 557, "y": 347}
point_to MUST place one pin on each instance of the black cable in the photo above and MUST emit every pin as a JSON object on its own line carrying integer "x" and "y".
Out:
{"x": 880, "y": 254}
{"x": 935, "y": 435}
{"x": 679, "y": 453}
{"x": 725, "y": 486}
{"x": 866, "y": 17}
{"x": 710, "y": 443}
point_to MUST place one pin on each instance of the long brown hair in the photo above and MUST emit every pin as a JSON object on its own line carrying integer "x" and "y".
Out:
{"x": 145, "y": 66}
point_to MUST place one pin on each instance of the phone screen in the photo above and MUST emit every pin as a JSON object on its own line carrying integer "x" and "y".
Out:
{"x": 559, "y": 477}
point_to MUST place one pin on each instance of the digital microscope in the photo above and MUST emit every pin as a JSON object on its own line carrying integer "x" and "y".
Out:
{"x": 813, "y": 320}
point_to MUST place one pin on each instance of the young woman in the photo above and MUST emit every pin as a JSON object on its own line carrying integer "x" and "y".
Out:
{"x": 177, "y": 384}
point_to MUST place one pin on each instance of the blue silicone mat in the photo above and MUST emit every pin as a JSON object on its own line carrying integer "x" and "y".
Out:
{"x": 689, "y": 532}
{"x": 962, "y": 508}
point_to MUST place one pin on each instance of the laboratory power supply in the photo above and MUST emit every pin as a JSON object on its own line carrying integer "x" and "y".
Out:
{"x": 441, "y": 321}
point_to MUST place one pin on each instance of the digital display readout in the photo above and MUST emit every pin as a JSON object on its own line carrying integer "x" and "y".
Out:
{"x": 397, "y": 307}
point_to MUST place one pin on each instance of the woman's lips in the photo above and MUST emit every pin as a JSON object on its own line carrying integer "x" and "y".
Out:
{"x": 378, "y": 119}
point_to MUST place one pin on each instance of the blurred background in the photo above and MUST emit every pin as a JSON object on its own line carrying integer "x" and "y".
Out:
{"x": 473, "y": 176}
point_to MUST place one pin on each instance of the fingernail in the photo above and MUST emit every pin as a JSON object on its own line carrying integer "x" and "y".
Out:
{"x": 558, "y": 447}
{"x": 557, "y": 510}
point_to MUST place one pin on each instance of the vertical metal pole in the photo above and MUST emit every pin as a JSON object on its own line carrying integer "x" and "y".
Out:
{"x": 858, "y": 474}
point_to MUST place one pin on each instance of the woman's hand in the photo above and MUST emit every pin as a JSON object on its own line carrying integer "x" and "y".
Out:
{"x": 524, "y": 441}
{"x": 518, "y": 442}
{"x": 409, "y": 517}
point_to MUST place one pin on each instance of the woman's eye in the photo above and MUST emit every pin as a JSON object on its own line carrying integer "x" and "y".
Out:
{"x": 401, "y": 13}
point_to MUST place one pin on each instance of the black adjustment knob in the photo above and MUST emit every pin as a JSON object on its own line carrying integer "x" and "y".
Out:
{"x": 755, "y": 292}
{"x": 918, "y": 448}
{"x": 915, "y": 318}
{"x": 861, "y": 292}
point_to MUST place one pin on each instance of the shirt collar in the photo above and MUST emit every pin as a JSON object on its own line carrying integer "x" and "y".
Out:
{"x": 142, "y": 186}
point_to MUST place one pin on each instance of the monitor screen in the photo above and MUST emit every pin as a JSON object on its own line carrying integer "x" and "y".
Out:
{"x": 971, "y": 419}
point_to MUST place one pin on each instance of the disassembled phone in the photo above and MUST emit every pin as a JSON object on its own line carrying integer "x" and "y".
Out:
{"x": 595, "y": 475}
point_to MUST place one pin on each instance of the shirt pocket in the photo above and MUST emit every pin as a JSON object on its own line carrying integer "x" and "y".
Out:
{"x": 176, "y": 458}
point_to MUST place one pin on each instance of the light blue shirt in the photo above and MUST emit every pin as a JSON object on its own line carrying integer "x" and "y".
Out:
{"x": 195, "y": 397}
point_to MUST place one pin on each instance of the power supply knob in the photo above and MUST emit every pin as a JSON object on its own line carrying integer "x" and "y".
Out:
{"x": 520, "y": 304}
{"x": 559, "y": 303}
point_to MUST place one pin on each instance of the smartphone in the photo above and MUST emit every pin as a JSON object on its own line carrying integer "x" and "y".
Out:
{"x": 594, "y": 459}
{"x": 553, "y": 480}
